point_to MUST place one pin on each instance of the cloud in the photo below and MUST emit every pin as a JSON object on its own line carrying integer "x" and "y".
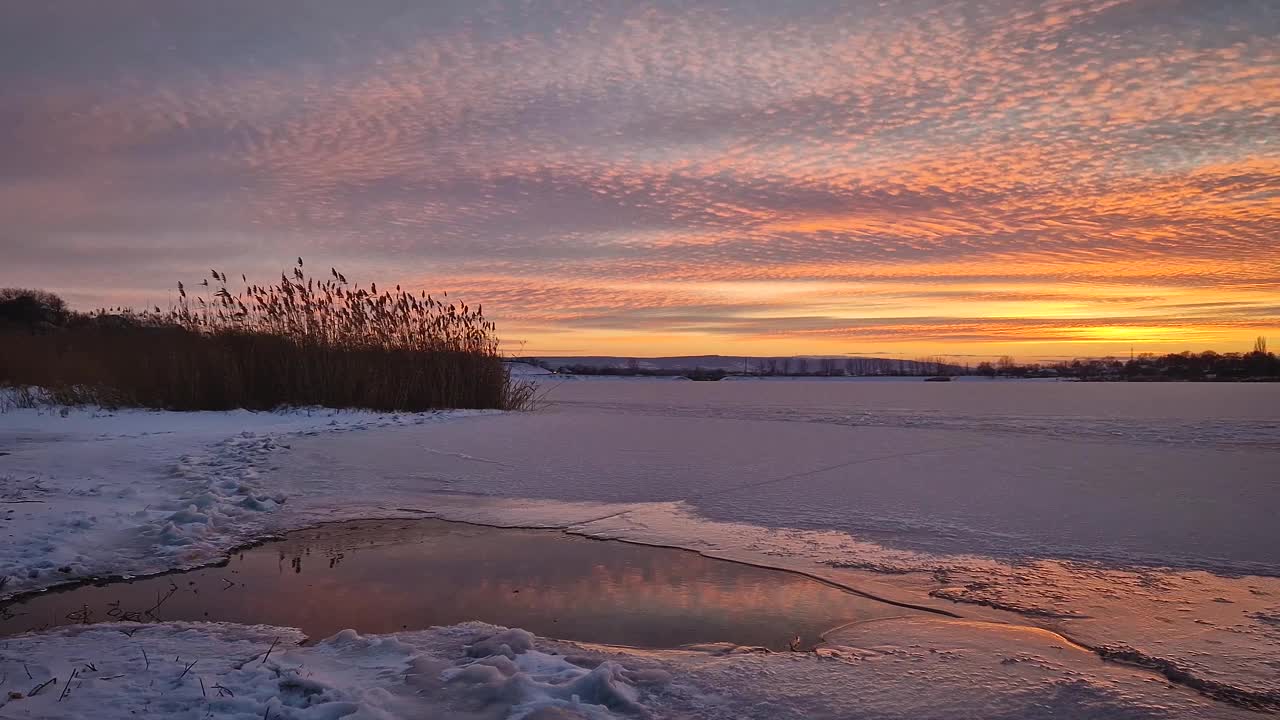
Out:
{"x": 571, "y": 150}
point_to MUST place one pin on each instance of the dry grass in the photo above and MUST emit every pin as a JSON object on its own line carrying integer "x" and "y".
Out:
{"x": 300, "y": 342}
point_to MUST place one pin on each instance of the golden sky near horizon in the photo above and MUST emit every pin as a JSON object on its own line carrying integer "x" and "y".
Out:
{"x": 1041, "y": 179}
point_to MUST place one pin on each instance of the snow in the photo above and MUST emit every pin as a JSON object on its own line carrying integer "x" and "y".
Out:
{"x": 897, "y": 669}
{"x": 1136, "y": 520}
{"x": 523, "y": 369}
{"x": 91, "y": 492}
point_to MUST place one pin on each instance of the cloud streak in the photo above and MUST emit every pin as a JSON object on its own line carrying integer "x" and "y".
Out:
{"x": 644, "y": 177}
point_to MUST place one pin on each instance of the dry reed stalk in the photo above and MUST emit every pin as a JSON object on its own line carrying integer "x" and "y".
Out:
{"x": 298, "y": 342}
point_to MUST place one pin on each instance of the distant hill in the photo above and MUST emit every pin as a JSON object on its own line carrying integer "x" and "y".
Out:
{"x": 797, "y": 365}
{"x": 524, "y": 369}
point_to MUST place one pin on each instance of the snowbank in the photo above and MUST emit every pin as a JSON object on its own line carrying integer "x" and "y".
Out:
{"x": 194, "y": 670}
{"x": 91, "y": 492}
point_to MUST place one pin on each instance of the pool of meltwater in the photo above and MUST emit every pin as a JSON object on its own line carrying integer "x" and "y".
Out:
{"x": 387, "y": 576}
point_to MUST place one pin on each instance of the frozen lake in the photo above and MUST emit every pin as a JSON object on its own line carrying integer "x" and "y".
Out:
{"x": 1121, "y": 521}
{"x": 1170, "y": 475}
{"x": 1131, "y": 515}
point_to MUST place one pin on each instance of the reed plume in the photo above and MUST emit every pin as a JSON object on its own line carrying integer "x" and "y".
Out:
{"x": 300, "y": 341}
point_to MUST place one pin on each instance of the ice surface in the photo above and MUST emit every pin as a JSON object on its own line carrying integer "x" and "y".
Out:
{"x": 1205, "y": 414}
{"x": 1007, "y": 495}
{"x": 1123, "y": 542}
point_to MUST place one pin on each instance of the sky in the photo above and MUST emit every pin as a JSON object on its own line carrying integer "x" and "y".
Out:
{"x": 907, "y": 177}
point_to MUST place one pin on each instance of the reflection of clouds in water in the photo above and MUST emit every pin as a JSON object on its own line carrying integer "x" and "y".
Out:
{"x": 415, "y": 575}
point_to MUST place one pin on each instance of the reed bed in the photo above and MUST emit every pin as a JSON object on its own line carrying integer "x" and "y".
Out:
{"x": 302, "y": 341}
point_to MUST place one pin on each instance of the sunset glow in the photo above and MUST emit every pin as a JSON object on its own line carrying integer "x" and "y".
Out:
{"x": 1040, "y": 179}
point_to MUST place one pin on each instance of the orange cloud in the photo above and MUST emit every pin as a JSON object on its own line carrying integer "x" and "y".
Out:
{"x": 1074, "y": 176}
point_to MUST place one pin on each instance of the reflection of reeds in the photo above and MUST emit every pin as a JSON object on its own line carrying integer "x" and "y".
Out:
{"x": 299, "y": 342}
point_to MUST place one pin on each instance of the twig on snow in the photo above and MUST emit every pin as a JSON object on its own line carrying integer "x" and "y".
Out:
{"x": 273, "y": 647}
{"x": 66, "y": 689}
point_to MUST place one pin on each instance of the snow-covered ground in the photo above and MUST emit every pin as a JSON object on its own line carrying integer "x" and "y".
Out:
{"x": 191, "y": 670}
{"x": 1137, "y": 520}
{"x": 90, "y": 492}
{"x": 524, "y": 370}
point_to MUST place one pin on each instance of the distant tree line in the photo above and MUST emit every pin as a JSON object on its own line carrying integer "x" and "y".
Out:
{"x": 31, "y": 309}
{"x": 632, "y": 370}
{"x": 1256, "y": 365}
{"x": 773, "y": 367}
{"x": 849, "y": 367}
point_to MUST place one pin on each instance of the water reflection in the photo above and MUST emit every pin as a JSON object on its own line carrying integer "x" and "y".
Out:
{"x": 388, "y": 576}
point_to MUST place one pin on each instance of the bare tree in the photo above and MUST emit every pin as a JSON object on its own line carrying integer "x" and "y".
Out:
{"x": 31, "y": 308}
{"x": 1006, "y": 364}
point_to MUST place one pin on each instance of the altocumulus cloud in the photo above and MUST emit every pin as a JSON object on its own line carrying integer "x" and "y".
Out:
{"x": 670, "y": 176}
